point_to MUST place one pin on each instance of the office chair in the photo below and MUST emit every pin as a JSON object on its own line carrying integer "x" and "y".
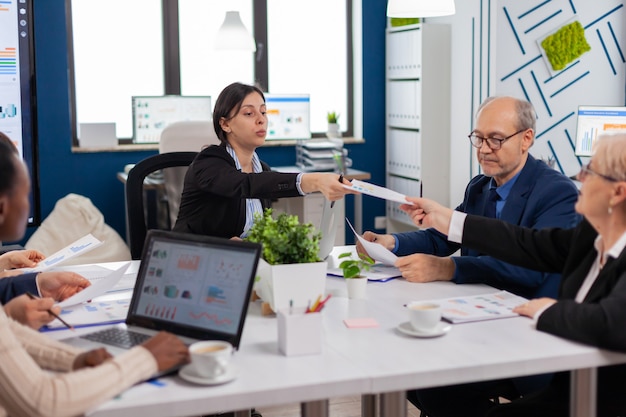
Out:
{"x": 135, "y": 210}
{"x": 188, "y": 136}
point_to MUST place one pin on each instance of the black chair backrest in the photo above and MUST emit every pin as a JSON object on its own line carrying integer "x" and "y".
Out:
{"x": 135, "y": 211}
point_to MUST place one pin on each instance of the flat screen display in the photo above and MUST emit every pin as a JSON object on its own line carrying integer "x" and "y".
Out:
{"x": 152, "y": 114}
{"x": 595, "y": 120}
{"x": 17, "y": 88}
{"x": 289, "y": 116}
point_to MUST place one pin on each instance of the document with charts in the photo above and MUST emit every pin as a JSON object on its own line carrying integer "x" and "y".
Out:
{"x": 74, "y": 249}
{"x": 377, "y": 191}
{"x": 107, "y": 309}
{"x": 465, "y": 309}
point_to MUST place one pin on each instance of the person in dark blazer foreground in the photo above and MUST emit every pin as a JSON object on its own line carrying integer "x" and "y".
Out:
{"x": 227, "y": 184}
{"x": 591, "y": 306}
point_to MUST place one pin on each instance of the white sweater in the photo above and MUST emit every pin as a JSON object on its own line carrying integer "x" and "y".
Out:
{"x": 28, "y": 390}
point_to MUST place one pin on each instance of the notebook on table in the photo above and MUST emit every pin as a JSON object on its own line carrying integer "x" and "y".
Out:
{"x": 197, "y": 287}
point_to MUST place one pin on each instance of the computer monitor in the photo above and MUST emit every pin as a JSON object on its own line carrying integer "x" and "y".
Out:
{"x": 289, "y": 116}
{"x": 595, "y": 120}
{"x": 18, "y": 115}
{"x": 151, "y": 114}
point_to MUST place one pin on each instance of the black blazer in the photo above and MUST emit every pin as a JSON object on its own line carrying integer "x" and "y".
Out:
{"x": 600, "y": 320}
{"x": 213, "y": 199}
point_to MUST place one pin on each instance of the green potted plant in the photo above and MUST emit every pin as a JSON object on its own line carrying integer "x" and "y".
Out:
{"x": 333, "y": 125}
{"x": 352, "y": 270}
{"x": 290, "y": 271}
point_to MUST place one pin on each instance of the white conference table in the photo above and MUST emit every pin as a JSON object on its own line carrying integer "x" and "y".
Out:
{"x": 371, "y": 361}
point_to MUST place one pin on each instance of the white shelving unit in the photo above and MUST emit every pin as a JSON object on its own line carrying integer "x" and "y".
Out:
{"x": 418, "y": 116}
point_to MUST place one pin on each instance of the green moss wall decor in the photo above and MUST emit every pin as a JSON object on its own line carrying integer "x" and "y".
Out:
{"x": 565, "y": 45}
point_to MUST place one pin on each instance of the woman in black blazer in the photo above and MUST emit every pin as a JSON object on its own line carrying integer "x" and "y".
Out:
{"x": 591, "y": 307}
{"x": 227, "y": 184}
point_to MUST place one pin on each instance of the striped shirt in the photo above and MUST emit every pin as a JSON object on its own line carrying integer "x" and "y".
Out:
{"x": 253, "y": 205}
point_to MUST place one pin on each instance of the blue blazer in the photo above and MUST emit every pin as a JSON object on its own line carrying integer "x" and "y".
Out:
{"x": 11, "y": 287}
{"x": 541, "y": 197}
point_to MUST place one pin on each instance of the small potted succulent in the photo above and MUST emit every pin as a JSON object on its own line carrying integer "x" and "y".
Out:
{"x": 333, "y": 125}
{"x": 352, "y": 271}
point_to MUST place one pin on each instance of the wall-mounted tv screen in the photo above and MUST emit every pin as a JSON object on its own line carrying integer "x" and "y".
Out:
{"x": 289, "y": 116}
{"x": 17, "y": 88}
{"x": 595, "y": 120}
{"x": 151, "y": 114}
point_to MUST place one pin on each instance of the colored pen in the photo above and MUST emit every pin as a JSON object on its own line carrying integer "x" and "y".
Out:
{"x": 320, "y": 306}
{"x": 315, "y": 304}
{"x": 332, "y": 204}
{"x": 52, "y": 313}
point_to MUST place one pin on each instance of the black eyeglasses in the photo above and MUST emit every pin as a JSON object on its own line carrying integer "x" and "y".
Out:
{"x": 586, "y": 170}
{"x": 493, "y": 143}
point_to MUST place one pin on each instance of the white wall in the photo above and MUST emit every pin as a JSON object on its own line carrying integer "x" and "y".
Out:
{"x": 484, "y": 52}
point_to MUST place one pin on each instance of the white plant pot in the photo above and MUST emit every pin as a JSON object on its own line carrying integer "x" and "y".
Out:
{"x": 357, "y": 288}
{"x": 333, "y": 130}
{"x": 278, "y": 285}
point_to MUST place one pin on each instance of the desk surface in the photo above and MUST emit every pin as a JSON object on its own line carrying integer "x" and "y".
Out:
{"x": 364, "y": 361}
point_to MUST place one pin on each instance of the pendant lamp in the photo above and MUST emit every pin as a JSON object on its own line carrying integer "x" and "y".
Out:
{"x": 420, "y": 8}
{"x": 233, "y": 35}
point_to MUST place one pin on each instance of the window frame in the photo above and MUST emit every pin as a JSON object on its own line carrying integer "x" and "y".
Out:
{"x": 171, "y": 58}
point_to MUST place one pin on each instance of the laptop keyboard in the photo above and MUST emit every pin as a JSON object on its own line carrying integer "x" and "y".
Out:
{"x": 115, "y": 336}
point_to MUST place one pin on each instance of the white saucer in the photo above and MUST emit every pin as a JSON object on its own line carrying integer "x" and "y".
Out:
{"x": 189, "y": 375}
{"x": 439, "y": 330}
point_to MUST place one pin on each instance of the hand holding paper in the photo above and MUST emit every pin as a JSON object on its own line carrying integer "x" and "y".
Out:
{"x": 79, "y": 247}
{"x": 377, "y": 191}
{"x": 96, "y": 289}
{"x": 376, "y": 251}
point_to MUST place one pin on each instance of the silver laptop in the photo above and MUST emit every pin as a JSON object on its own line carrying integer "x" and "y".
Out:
{"x": 197, "y": 287}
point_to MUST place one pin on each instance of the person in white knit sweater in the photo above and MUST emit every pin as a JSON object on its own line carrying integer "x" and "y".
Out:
{"x": 86, "y": 378}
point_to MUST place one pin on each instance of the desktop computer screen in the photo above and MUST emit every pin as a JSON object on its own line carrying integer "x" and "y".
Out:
{"x": 18, "y": 116}
{"x": 152, "y": 114}
{"x": 288, "y": 116}
{"x": 595, "y": 120}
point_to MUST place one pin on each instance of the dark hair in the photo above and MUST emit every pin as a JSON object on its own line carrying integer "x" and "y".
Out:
{"x": 230, "y": 99}
{"x": 8, "y": 167}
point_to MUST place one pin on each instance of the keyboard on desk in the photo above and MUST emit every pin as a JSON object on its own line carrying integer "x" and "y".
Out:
{"x": 119, "y": 337}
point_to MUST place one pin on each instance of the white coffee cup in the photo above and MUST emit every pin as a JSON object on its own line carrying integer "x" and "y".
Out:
{"x": 210, "y": 358}
{"x": 424, "y": 316}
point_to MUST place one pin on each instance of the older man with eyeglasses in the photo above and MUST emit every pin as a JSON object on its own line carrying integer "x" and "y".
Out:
{"x": 514, "y": 187}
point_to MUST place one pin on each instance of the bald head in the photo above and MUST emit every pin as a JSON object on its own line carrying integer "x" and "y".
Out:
{"x": 522, "y": 111}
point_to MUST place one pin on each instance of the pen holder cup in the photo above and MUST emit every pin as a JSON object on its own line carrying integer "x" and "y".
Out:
{"x": 299, "y": 333}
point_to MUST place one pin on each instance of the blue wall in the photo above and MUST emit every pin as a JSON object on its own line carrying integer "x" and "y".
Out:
{"x": 94, "y": 174}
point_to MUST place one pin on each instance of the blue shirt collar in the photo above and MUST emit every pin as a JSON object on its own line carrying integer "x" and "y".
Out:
{"x": 505, "y": 189}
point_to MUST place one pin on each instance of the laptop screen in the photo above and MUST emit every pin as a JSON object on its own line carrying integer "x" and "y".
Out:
{"x": 196, "y": 286}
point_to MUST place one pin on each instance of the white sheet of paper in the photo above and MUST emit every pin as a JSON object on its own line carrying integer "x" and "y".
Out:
{"x": 375, "y": 250}
{"x": 96, "y": 289}
{"x": 377, "y": 191}
{"x": 74, "y": 249}
{"x": 95, "y": 273}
